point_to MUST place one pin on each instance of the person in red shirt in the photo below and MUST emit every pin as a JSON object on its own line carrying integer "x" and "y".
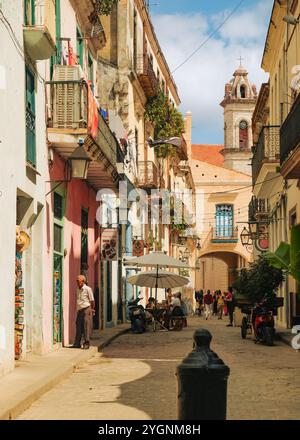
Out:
{"x": 208, "y": 304}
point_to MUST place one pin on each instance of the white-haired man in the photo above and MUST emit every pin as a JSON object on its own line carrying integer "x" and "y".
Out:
{"x": 85, "y": 311}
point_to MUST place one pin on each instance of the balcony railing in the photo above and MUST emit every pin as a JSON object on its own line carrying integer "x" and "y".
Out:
{"x": 30, "y": 137}
{"x": 267, "y": 149}
{"x": 224, "y": 234}
{"x": 146, "y": 75}
{"x": 40, "y": 28}
{"x": 258, "y": 208}
{"x": 69, "y": 112}
{"x": 147, "y": 175}
{"x": 290, "y": 143}
{"x": 183, "y": 153}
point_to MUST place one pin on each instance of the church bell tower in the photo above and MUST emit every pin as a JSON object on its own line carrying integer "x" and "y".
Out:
{"x": 238, "y": 103}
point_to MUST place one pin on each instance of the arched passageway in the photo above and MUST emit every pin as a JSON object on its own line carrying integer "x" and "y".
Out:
{"x": 218, "y": 270}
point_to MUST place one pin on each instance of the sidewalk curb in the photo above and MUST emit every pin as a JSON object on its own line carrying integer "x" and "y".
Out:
{"x": 28, "y": 396}
{"x": 285, "y": 338}
{"x": 112, "y": 338}
{"x": 18, "y": 404}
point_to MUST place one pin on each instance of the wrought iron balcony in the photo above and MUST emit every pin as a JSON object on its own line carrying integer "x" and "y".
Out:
{"x": 72, "y": 115}
{"x": 40, "y": 29}
{"x": 182, "y": 151}
{"x": 146, "y": 75}
{"x": 290, "y": 143}
{"x": 147, "y": 175}
{"x": 258, "y": 208}
{"x": 267, "y": 149}
{"x": 224, "y": 234}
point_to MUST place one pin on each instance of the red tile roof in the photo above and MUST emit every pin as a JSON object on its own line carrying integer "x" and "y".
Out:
{"x": 208, "y": 153}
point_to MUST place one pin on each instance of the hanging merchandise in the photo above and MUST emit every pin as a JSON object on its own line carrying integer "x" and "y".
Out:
{"x": 19, "y": 307}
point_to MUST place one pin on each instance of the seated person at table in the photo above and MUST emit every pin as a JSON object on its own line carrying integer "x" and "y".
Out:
{"x": 151, "y": 303}
{"x": 176, "y": 309}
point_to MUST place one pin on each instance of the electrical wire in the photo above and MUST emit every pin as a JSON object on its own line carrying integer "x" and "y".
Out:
{"x": 210, "y": 36}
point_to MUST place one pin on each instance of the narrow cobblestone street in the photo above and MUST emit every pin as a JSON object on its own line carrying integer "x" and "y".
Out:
{"x": 134, "y": 378}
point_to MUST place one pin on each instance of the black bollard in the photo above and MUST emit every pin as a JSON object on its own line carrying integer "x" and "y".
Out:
{"x": 202, "y": 382}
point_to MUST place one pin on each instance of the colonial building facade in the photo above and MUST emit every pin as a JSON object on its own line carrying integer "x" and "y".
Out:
{"x": 77, "y": 84}
{"x": 222, "y": 177}
{"x": 276, "y": 143}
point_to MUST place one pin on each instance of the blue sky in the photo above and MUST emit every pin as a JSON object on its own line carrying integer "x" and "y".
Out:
{"x": 182, "y": 25}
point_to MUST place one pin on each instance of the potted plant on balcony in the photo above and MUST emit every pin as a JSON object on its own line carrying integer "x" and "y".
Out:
{"x": 105, "y": 7}
{"x": 167, "y": 120}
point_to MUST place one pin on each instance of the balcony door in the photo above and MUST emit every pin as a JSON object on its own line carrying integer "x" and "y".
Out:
{"x": 224, "y": 220}
{"x": 30, "y": 117}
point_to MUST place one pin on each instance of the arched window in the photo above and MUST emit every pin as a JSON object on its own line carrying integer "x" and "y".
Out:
{"x": 243, "y": 92}
{"x": 243, "y": 135}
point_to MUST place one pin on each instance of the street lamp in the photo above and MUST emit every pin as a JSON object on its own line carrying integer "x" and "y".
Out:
{"x": 290, "y": 19}
{"x": 198, "y": 245}
{"x": 186, "y": 254}
{"x": 77, "y": 166}
{"x": 79, "y": 162}
{"x": 175, "y": 141}
{"x": 245, "y": 237}
{"x": 253, "y": 227}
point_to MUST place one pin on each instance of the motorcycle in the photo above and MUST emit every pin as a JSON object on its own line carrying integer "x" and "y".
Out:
{"x": 263, "y": 323}
{"x": 260, "y": 319}
{"x": 137, "y": 316}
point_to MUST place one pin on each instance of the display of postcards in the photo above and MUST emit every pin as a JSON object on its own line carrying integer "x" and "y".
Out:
{"x": 20, "y": 320}
{"x": 19, "y": 291}
{"x": 19, "y": 326}
{"x": 19, "y": 304}
{"x": 19, "y": 298}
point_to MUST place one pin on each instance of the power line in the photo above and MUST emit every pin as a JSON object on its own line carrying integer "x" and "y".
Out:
{"x": 210, "y": 35}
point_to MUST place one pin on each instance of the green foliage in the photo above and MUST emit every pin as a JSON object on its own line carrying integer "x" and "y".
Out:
{"x": 104, "y": 7}
{"x": 258, "y": 281}
{"x": 167, "y": 120}
{"x": 287, "y": 256}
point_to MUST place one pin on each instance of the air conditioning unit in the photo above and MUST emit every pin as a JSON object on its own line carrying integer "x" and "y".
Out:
{"x": 70, "y": 98}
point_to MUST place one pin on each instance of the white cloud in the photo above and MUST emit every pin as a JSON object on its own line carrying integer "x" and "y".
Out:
{"x": 201, "y": 80}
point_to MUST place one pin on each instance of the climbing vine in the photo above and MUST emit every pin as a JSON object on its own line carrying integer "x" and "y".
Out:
{"x": 104, "y": 7}
{"x": 167, "y": 121}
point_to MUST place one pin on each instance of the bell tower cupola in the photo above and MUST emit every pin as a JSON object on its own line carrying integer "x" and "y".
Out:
{"x": 238, "y": 103}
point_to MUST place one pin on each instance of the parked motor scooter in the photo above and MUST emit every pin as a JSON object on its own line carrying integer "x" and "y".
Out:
{"x": 263, "y": 323}
{"x": 137, "y": 316}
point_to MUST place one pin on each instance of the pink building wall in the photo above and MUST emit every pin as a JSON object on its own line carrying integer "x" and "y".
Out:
{"x": 78, "y": 195}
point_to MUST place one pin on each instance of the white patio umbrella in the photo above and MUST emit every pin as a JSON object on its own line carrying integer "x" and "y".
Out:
{"x": 157, "y": 260}
{"x": 160, "y": 279}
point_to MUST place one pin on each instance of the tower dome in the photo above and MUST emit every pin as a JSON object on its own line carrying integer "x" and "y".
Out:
{"x": 238, "y": 103}
{"x": 239, "y": 87}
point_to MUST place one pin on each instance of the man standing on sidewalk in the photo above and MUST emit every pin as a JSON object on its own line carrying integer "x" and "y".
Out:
{"x": 85, "y": 311}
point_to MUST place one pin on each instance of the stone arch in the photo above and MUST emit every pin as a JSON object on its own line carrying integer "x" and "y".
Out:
{"x": 216, "y": 270}
{"x": 243, "y": 91}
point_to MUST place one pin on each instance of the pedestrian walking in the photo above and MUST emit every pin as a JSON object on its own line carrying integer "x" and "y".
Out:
{"x": 221, "y": 302}
{"x": 208, "y": 304}
{"x": 85, "y": 311}
{"x": 215, "y": 303}
{"x": 230, "y": 305}
{"x": 199, "y": 301}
